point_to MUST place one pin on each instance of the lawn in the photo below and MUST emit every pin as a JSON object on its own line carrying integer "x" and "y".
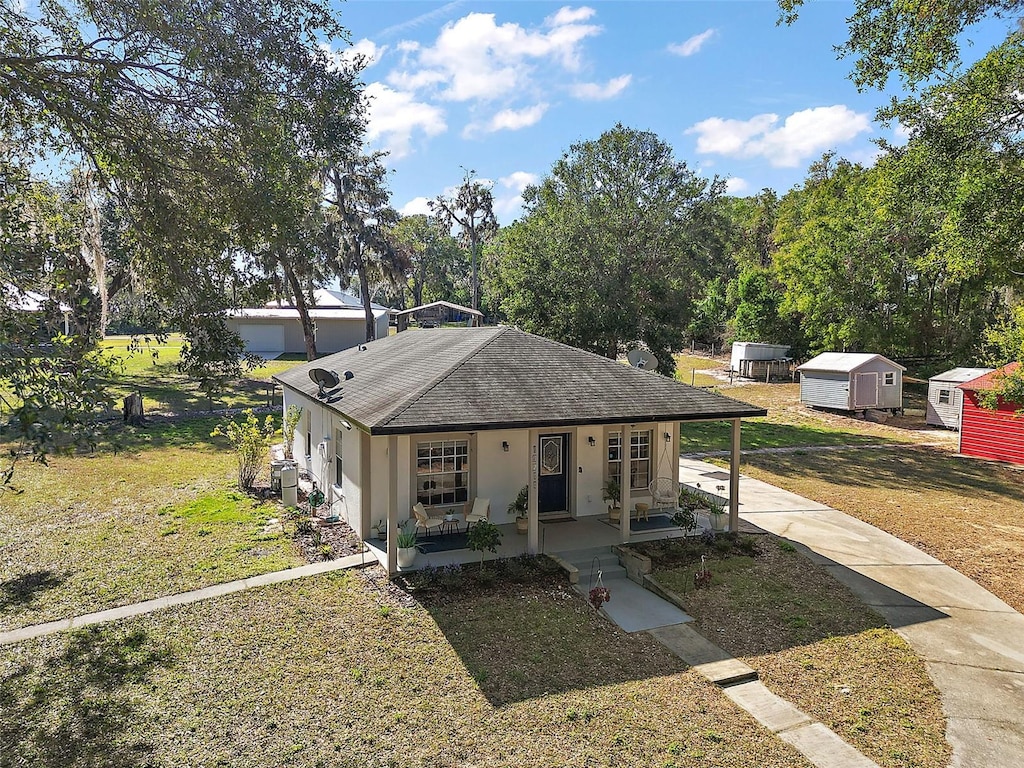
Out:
{"x": 965, "y": 512}
{"x": 152, "y": 513}
{"x": 689, "y": 367}
{"x": 152, "y": 369}
{"x": 342, "y": 670}
{"x": 791, "y": 424}
{"x": 813, "y": 643}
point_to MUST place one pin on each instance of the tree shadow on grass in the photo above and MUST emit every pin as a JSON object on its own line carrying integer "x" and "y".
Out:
{"x": 901, "y": 469}
{"x": 522, "y": 632}
{"x": 22, "y": 590}
{"x": 75, "y": 706}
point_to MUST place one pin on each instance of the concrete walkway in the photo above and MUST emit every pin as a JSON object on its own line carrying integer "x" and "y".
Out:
{"x": 160, "y": 603}
{"x": 971, "y": 641}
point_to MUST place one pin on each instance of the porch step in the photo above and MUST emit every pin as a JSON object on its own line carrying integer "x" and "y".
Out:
{"x": 589, "y": 561}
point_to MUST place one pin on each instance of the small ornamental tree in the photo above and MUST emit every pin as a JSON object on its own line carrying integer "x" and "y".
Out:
{"x": 249, "y": 439}
{"x": 291, "y": 422}
{"x": 484, "y": 536}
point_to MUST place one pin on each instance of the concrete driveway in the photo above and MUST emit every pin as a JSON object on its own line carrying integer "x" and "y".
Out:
{"x": 972, "y": 642}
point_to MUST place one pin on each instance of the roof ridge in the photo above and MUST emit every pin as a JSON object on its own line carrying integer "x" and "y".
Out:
{"x": 410, "y": 402}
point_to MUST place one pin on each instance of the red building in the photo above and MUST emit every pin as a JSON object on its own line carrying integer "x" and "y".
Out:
{"x": 989, "y": 434}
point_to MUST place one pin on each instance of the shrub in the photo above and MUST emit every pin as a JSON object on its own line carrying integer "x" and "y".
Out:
{"x": 484, "y": 536}
{"x": 249, "y": 440}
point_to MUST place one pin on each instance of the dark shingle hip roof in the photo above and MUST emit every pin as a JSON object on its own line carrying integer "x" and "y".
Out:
{"x": 465, "y": 379}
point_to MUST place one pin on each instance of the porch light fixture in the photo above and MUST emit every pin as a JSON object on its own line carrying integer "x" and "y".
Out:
{"x": 504, "y": 445}
{"x": 668, "y": 438}
{"x": 592, "y": 440}
{"x": 345, "y": 424}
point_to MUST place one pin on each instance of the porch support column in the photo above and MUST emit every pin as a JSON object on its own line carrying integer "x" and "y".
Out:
{"x": 533, "y": 509}
{"x": 734, "y": 477}
{"x": 392, "y": 542}
{"x": 627, "y": 479}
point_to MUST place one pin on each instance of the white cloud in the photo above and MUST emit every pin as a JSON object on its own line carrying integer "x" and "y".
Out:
{"x": 598, "y": 92}
{"x": 393, "y": 116}
{"x": 514, "y": 119}
{"x": 736, "y": 186}
{"x": 692, "y": 45}
{"x": 802, "y": 135}
{"x": 365, "y": 50}
{"x": 567, "y": 15}
{"x": 519, "y": 180}
{"x": 415, "y": 206}
{"x": 475, "y": 58}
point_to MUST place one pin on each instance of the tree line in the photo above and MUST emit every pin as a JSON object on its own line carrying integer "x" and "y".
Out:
{"x": 209, "y": 155}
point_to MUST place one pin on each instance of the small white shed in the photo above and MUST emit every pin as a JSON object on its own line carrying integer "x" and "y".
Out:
{"x": 945, "y": 396}
{"x": 852, "y": 381}
{"x": 754, "y": 359}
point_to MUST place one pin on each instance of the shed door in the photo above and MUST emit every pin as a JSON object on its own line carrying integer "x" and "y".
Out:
{"x": 259, "y": 337}
{"x": 865, "y": 390}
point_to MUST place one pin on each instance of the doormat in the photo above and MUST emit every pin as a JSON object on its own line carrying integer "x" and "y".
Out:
{"x": 443, "y": 543}
{"x": 656, "y": 523}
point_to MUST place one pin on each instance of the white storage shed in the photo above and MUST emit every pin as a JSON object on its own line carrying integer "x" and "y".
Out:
{"x": 754, "y": 359}
{"x": 852, "y": 381}
{"x": 945, "y": 397}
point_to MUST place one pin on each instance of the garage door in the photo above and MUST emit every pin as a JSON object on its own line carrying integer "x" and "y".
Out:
{"x": 262, "y": 338}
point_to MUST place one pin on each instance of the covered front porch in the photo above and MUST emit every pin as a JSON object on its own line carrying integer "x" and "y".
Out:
{"x": 554, "y": 538}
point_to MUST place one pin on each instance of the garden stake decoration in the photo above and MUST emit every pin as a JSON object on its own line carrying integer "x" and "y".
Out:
{"x": 599, "y": 593}
{"x": 702, "y": 578}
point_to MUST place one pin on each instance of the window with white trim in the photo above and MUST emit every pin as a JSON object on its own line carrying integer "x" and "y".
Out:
{"x": 945, "y": 396}
{"x": 442, "y": 472}
{"x": 309, "y": 433}
{"x": 339, "y": 475}
{"x": 889, "y": 379}
{"x": 639, "y": 458}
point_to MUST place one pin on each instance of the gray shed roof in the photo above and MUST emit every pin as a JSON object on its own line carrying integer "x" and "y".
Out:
{"x": 959, "y": 375}
{"x": 843, "y": 362}
{"x": 464, "y": 379}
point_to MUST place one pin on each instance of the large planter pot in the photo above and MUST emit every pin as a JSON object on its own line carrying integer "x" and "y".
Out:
{"x": 522, "y": 524}
{"x": 718, "y": 522}
{"x": 406, "y": 557}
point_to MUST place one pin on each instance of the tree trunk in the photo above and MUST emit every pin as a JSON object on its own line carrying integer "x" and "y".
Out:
{"x": 364, "y": 294}
{"x": 308, "y": 331}
{"x": 475, "y": 290}
{"x": 132, "y": 410}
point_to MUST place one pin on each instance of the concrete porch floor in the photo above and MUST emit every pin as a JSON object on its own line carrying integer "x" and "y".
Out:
{"x": 555, "y": 538}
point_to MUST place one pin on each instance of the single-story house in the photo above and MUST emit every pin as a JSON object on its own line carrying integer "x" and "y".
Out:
{"x": 851, "y": 381}
{"x": 997, "y": 434}
{"x": 338, "y": 317}
{"x": 448, "y": 415}
{"x": 945, "y": 397}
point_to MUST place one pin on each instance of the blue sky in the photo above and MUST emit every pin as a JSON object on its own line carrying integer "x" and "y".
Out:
{"x": 504, "y": 88}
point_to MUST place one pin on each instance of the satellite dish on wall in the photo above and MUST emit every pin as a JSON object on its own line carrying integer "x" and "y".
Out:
{"x": 324, "y": 380}
{"x": 641, "y": 359}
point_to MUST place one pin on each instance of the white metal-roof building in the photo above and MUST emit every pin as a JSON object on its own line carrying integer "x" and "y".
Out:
{"x": 945, "y": 397}
{"x": 276, "y": 329}
{"x": 851, "y": 381}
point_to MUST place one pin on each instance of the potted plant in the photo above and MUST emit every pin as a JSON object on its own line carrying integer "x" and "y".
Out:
{"x": 612, "y": 493}
{"x": 407, "y": 546}
{"x": 716, "y": 513}
{"x": 381, "y": 528}
{"x": 521, "y": 509}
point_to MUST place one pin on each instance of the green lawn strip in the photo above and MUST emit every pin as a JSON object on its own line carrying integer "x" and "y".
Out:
{"x": 814, "y": 644}
{"x": 335, "y": 670}
{"x": 88, "y": 533}
{"x": 962, "y": 511}
{"x": 709, "y": 436}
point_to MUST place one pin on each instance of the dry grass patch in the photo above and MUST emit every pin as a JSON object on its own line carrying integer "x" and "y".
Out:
{"x": 341, "y": 670}
{"x": 965, "y": 512}
{"x": 87, "y": 533}
{"x": 814, "y": 644}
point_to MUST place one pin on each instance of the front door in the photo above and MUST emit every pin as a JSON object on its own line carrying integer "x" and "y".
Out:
{"x": 553, "y": 483}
